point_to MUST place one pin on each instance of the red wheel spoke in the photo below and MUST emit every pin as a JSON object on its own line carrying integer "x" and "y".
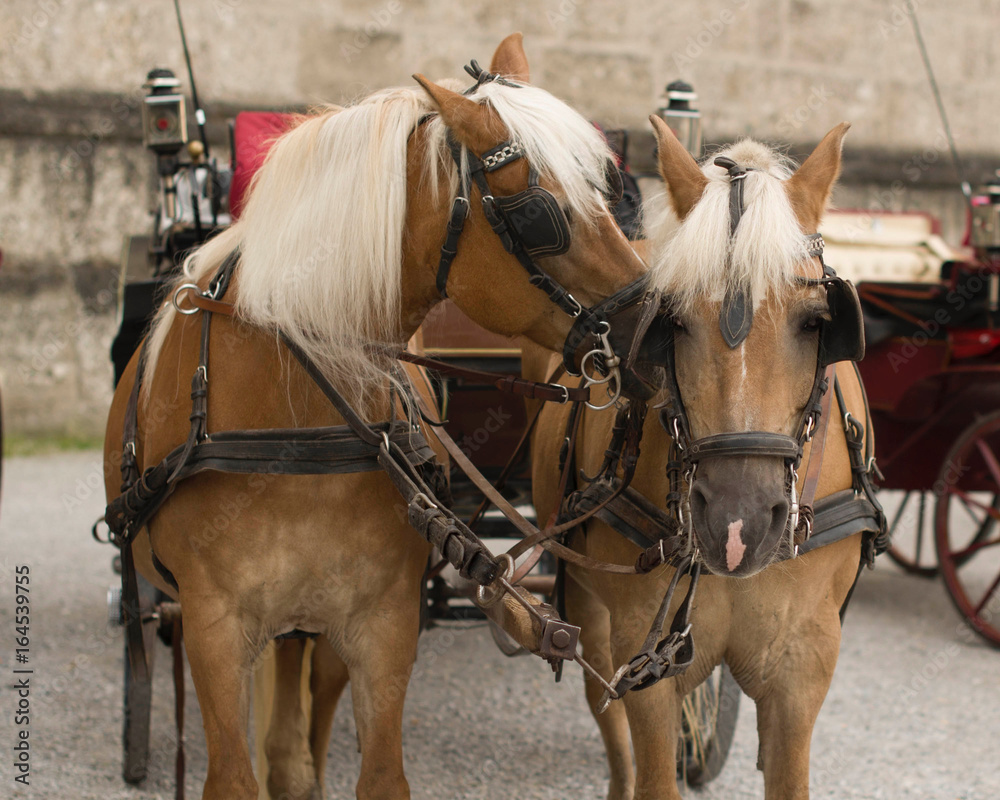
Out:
{"x": 990, "y": 459}
{"x": 970, "y": 501}
{"x": 959, "y": 555}
{"x": 986, "y": 597}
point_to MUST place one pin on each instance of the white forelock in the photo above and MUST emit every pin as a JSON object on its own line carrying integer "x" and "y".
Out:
{"x": 698, "y": 259}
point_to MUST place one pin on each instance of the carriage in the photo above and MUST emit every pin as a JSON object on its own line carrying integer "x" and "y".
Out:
{"x": 200, "y": 198}
{"x": 932, "y": 373}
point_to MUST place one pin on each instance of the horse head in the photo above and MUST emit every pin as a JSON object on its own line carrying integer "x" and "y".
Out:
{"x": 753, "y": 317}
{"x": 540, "y": 181}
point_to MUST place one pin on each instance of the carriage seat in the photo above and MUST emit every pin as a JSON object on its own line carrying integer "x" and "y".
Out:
{"x": 886, "y": 247}
{"x": 253, "y": 134}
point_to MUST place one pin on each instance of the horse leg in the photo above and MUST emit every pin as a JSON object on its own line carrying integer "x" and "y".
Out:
{"x": 586, "y": 610}
{"x": 221, "y": 655}
{"x": 291, "y": 774}
{"x": 654, "y": 718}
{"x": 654, "y": 714}
{"x": 788, "y": 703}
{"x": 329, "y": 677}
{"x": 381, "y": 649}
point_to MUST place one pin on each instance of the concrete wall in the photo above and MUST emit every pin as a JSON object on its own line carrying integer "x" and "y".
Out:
{"x": 74, "y": 178}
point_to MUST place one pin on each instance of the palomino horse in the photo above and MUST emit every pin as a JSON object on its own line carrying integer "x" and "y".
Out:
{"x": 340, "y": 248}
{"x": 775, "y": 624}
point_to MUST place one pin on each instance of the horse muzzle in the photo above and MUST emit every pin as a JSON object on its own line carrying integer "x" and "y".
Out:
{"x": 739, "y": 510}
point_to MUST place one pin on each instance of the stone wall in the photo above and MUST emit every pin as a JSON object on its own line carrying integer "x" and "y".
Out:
{"x": 74, "y": 177}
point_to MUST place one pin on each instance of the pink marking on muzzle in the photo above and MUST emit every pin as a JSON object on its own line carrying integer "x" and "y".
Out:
{"x": 734, "y": 546}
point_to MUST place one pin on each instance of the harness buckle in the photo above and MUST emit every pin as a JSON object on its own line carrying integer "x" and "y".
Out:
{"x": 579, "y": 307}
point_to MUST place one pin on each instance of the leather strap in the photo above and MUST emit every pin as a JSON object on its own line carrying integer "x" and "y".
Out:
{"x": 587, "y": 326}
{"x": 736, "y": 315}
{"x": 532, "y": 535}
{"x": 749, "y": 443}
{"x": 512, "y": 384}
{"x": 814, "y": 467}
{"x": 508, "y": 468}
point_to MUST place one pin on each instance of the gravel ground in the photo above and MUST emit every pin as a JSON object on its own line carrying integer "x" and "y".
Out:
{"x": 914, "y": 711}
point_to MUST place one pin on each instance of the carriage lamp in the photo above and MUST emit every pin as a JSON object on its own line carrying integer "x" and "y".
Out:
{"x": 985, "y": 231}
{"x": 164, "y": 125}
{"x": 678, "y": 111}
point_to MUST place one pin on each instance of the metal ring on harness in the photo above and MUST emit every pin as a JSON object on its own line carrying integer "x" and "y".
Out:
{"x": 176, "y": 299}
{"x": 485, "y": 596}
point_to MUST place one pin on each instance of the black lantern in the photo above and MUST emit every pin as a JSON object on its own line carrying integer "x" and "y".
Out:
{"x": 164, "y": 124}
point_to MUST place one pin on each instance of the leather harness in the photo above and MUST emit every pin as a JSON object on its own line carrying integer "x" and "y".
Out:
{"x": 399, "y": 448}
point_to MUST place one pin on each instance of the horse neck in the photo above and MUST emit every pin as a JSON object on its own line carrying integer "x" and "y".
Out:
{"x": 425, "y": 225}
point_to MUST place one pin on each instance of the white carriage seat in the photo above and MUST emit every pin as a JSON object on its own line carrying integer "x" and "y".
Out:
{"x": 887, "y": 247}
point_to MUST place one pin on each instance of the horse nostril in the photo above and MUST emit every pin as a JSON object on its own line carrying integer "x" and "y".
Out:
{"x": 699, "y": 503}
{"x": 779, "y": 516}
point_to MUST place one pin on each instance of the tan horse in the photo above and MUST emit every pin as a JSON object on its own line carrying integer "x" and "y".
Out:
{"x": 340, "y": 245}
{"x": 777, "y": 626}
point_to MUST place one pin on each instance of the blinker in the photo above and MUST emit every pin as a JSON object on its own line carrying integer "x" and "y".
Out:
{"x": 536, "y": 221}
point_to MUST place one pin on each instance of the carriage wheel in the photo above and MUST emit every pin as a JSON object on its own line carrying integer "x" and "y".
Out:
{"x": 914, "y": 552}
{"x": 708, "y": 720}
{"x": 968, "y": 526}
{"x": 138, "y": 698}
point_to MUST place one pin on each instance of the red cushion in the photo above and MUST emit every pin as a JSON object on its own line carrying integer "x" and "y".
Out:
{"x": 253, "y": 134}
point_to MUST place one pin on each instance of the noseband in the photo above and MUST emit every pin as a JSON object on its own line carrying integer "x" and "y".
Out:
{"x": 531, "y": 224}
{"x": 841, "y": 339}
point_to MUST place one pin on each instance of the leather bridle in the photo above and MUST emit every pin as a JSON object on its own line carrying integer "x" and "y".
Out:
{"x": 735, "y": 320}
{"x": 532, "y": 225}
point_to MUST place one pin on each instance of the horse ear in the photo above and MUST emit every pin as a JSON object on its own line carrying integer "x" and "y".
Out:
{"x": 685, "y": 180}
{"x": 510, "y": 61}
{"x": 473, "y": 124}
{"x": 809, "y": 188}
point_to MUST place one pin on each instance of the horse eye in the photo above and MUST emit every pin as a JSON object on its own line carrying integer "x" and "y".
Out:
{"x": 812, "y": 324}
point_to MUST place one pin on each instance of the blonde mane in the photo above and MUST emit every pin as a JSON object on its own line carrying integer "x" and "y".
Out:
{"x": 321, "y": 235}
{"x": 698, "y": 259}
